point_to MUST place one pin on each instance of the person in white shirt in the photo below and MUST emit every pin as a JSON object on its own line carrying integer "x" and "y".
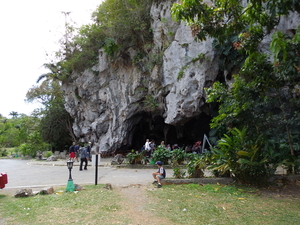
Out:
{"x": 148, "y": 148}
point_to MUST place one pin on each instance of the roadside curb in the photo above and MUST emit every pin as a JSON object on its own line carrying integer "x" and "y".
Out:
{"x": 214, "y": 180}
{"x": 226, "y": 180}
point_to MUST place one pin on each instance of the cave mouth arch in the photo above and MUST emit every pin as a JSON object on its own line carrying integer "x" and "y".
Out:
{"x": 154, "y": 128}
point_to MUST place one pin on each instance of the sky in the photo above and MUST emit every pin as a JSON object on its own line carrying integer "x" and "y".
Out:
{"x": 31, "y": 30}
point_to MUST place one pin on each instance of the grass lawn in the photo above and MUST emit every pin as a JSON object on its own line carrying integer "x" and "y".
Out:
{"x": 215, "y": 204}
{"x": 87, "y": 206}
{"x": 181, "y": 204}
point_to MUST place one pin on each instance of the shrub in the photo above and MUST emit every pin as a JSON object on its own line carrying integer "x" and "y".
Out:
{"x": 135, "y": 157}
{"x": 3, "y": 152}
{"x": 243, "y": 158}
{"x": 195, "y": 165}
{"x": 33, "y": 145}
{"x": 162, "y": 154}
{"x": 178, "y": 156}
{"x": 48, "y": 154}
{"x": 178, "y": 173}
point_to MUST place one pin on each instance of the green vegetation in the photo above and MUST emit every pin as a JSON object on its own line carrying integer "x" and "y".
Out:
{"x": 218, "y": 204}
{"x": 117, "y": 26}
{"x": 258, "y": 109}
{"x": 257, "y": 95}
{"x": 55, "y": 125}
{"x": 136, "y": 157}
{"x": 243, "y": 158}
{"x": 20, "y": 135}
{"x": 200, "y": 58}
{"x": 181, "y": 72}
{"x": 91, "y": 205}
{"x": 150, "y": 102}
{"x": 162, "y": 154}
{"x": 48, "y": 128}
{"x": 182, "y": 204}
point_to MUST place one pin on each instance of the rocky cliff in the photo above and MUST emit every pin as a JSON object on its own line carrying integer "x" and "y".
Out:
{"x": 118, "y": 104}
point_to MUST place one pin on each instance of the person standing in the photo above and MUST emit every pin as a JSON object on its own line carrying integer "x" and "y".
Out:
{"x": 72, "y": 151}
{"x": 152, "y": 146}
{"x": 168, "y": 147}
{"x": 162, "y": 144}
{"x": 83, "y": 158}
{"x": 147, "y": 148}
{"x": 89, "y": 153}
{"x": 159, "y": 175}
{"x": 76, "y": 149}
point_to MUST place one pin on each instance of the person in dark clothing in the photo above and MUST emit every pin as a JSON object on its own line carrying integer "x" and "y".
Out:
{"x": 152, "y": 146}
{"x": 83, "y": 158}
{"x": 76, "y": 149}
{"x": 89, "y": 153}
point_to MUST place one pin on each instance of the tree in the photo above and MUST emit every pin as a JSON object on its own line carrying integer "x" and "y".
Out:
{"x": 223, "y": 18}
{"x": 15, "y": 131}
{"x": 14, "y": 114}
{"x": 117, "y": 26}
{"x": 265, "y": 95}
{"x": 33, "y": 145}
{"x": 56, "y": 124}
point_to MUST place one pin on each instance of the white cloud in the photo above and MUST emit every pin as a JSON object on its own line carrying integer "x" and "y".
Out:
{"x": 30, "y": 29}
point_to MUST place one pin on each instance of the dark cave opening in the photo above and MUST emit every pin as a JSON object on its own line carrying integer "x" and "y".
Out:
{"x": 154, "y": 128}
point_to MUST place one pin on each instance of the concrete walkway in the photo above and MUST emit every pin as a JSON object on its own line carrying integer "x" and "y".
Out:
{"x": 39, "y": 174}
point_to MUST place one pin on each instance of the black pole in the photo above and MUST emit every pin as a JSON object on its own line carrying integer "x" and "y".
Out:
{"x": 70, "y": 176}
{"x": 96, "y": 172}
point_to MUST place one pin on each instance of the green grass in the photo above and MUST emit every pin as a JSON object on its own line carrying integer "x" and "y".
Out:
{"x": 181, "y": 204}
{"x": 214, "y": 204}
{"x": 87, "y": 206}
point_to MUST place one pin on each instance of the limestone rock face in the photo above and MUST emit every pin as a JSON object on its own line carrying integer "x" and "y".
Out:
{"x": 110, "y": 100}
{"x": 118, "y": 104}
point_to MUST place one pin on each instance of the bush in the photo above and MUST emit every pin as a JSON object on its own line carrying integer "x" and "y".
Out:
{"x": 3, "y": 152}
{"x": 47, "y": 154}
{"x": 178, "y": 156}
{"x": 33, "y": 145}
{"x": 195, "y": 165}
{"x": 243, "y": 158}
{"x": 135, "y": 157}
{"x": 162, "y": 154}
{"x": 26, "y": 150}
{"x": 178, "y": 173}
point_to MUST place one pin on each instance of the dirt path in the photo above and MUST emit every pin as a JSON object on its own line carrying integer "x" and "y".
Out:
{"x": 135, "y": 203}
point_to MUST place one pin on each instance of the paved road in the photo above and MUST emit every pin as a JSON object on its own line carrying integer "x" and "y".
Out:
{"x": 33, "y": 174}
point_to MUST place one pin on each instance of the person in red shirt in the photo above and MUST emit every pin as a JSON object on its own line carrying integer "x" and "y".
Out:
{"x": 72, "y": 151}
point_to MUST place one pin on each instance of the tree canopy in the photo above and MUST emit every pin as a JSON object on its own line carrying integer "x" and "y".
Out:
{"x": 264, "y": 98}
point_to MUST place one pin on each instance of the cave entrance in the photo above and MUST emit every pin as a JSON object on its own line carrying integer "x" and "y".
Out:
{"x": 154, "y": 128}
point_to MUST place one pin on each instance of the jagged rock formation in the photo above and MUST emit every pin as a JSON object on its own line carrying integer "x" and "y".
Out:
{"x": 118, "y": 104}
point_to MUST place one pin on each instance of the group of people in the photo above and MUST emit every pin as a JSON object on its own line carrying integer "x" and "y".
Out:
{"x": 196, "y": 148}
{"x": 150, "y": 147}
{"x": 161, "y": 172}
{"x": 83, "y": 152}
